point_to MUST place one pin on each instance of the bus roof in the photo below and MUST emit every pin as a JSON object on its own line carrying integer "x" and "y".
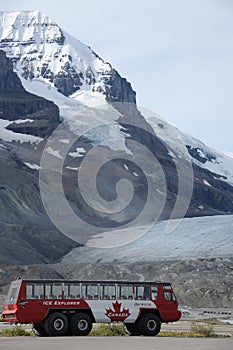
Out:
{"x": 89, "y": 281}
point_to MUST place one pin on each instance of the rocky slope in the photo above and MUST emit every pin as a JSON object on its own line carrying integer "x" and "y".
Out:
{"x": 27, "y": 235}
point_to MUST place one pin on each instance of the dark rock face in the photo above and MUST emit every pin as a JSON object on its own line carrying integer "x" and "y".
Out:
{"x": 68, "y": 81}
{"x": 45, "y": 119}
{"x": 9, "y": 84}
{"x": 199, "y": 155}
{"x": 118, "y": 89}
{"x": 16, "y": 103}
{"x": 215, "y": 195}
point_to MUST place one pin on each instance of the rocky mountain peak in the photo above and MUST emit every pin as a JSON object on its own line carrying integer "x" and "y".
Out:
{"x": 40, "y": 49}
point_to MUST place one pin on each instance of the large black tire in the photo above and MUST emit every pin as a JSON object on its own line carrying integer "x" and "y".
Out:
{"x": 38, "y": 330}
{"x": 149, "y": 324}
{"x": 81, "y": 324}
{"x": 56, "y": 324}
{"x": 131, "y": 329}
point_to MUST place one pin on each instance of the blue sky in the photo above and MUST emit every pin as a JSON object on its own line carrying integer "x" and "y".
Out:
{"x": 177, "y": 54}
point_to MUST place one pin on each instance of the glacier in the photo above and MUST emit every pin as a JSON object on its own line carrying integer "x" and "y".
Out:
{"x": 194, "y": 238}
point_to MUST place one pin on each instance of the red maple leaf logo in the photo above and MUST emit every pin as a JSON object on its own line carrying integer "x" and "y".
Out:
{"x": 117, "y": 314}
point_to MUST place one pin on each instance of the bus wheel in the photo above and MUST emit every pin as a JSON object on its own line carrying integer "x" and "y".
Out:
{"x": 149, "y": 324}
{"x": 81, "y": 324}
{"x": 131, "y": 329}
{"x": 56, "y": 324}
{"x": 38, "y": 330}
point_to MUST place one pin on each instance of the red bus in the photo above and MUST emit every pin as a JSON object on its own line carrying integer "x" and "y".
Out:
{"x": 70, "y": 307}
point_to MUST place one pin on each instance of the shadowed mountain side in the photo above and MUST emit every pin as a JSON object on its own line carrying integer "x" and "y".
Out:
{"x": 26, "y": 233}
{"x": 37, "y": 115}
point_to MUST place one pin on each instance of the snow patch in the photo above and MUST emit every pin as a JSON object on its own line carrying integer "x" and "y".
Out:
{"x": 10, "y": 136}
{"x": 77, "y": 116}
{"x": 64, "y": 141}
{"x": 80, "y": 152}
{"x": 160, "y": 192}
{"x": 54, "y": 153}
{"x": 71, "y": 168}
{"x": 32, "y": 166}
{"x": 207, "y": 183}
{"x": 89, "y": 98}
{"x": 22, "y": 121}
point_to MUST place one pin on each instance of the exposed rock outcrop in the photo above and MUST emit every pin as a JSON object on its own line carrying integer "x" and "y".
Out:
{"x": 17, "y": 104}
{"x": 118, "y": 89}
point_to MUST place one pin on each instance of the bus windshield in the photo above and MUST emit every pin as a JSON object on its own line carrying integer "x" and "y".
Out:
{"x": 13, "y": 292}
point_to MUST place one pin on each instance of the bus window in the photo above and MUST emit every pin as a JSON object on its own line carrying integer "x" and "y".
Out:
{"x": 167, "y": 287}
{"x": 154, "y": 292}
{"x": 107, "y": 291}
{"x": 34, "y": 291}
{"x": 142, "y": 292}
{"x": 13, "y": 293}
{"x": 125, "y": 291}
{"x": 169, "y": 296}
{"x": 90, "y": 291}
{"x": 53, "y": 291}
{"x": 72, "y": 291}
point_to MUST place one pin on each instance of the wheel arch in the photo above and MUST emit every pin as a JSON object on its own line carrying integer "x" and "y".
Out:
{"x": 70, "y": 312}
{"x": 149, "y": 311}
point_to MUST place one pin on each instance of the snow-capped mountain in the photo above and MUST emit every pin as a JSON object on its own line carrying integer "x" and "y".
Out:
{"x": 41, "y": 50}
{"x": 52, "y": 64}
{"x": 44, "y": 55}
{"x": 41, "y": 59}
